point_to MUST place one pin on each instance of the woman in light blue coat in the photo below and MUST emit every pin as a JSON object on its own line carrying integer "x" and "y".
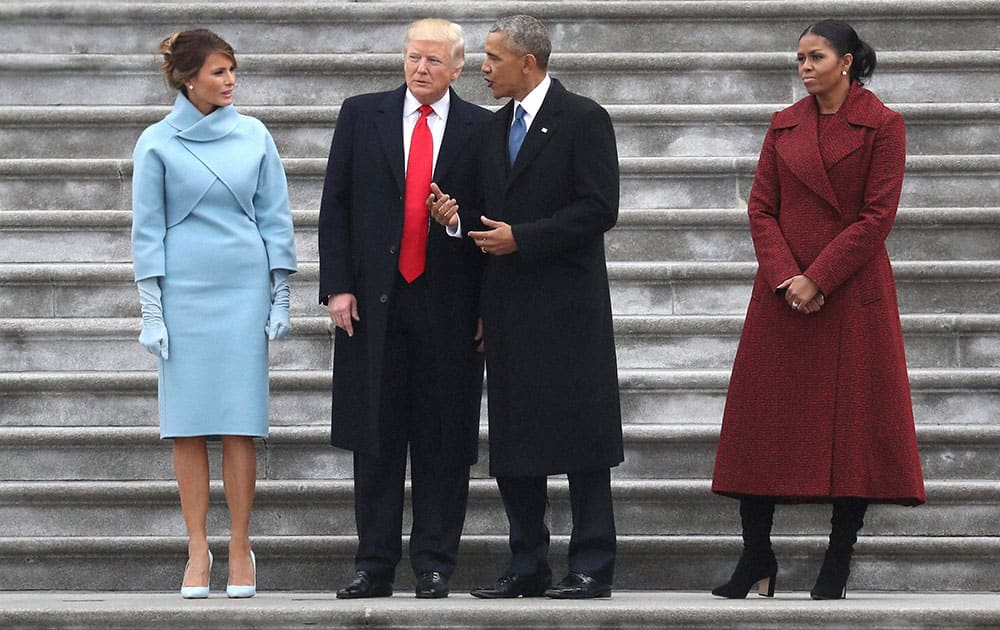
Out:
{"x": 213, "y": 248}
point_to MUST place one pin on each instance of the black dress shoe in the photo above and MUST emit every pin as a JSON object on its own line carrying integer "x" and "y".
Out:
{"x": 578, "y": 586}
{"x": 431, "y": 585}
{"x": 365, "y": 585}
{"x": 510, "y": 586}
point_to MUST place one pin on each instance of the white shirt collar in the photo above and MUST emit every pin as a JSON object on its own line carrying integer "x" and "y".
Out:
{"x": 533, "y": 101}
{"x": 411, "y": 105}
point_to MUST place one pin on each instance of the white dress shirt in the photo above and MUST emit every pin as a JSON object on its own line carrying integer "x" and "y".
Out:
{"x": 531, "y": 104}
{"x": 436, "y": 122}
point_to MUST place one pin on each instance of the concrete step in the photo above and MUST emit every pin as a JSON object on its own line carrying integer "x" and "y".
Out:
{"x": 128, "y": 399}
{"x": 656, "y": 507}
{"x": 646, "y": 183}
{"x": 674, "y": 341}
{"x": 110, "y": 344}
{"x": 642, "y": 130}
{"x": 617, "y": 77}
{"x": 104, "y": 27}
{"x": 940, "y": 233}
{"x": 698, "y": 234}
{"x": 55, "y": 290}
{"x": 627, "y": 610}
{"x": 665, "y": 451}
{"x": 644, "y": 562}
{"x": 724, "y": 288}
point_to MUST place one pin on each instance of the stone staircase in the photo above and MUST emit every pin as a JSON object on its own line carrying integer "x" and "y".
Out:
{"x": 87, "y": 500}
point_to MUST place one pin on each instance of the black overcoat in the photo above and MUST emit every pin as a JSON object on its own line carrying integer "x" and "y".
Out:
{"x": 552, "y": 376}
{"x": 361, "y": 223}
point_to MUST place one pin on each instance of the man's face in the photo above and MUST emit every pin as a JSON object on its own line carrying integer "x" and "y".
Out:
{"x": 503, "y": 68}
{"x": 429, "y": 69}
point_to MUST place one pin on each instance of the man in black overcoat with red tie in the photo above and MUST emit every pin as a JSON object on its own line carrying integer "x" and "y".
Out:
{"x": 404, "y": 296}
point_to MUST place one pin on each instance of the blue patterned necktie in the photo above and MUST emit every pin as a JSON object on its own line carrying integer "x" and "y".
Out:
{"x": 517, "y": 131}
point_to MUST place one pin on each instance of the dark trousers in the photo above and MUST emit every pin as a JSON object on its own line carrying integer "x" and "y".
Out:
{"x": 410, "y": 421}
{"x": 592, "y": 543}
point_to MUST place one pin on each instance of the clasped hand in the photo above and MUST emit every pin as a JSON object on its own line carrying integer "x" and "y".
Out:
{"x": 802, "y": 294}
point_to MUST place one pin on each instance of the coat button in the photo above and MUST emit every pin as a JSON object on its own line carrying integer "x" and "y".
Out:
{"x": 383, "y": 298}
{"x": 392, "y": 250}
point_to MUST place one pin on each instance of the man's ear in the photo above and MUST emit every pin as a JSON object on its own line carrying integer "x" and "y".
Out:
{"x": 529, "y": 63}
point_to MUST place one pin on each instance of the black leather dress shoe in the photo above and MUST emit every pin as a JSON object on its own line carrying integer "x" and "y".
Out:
{"x": 578, "y": 586}
{"x": 431, "y": 585}
{"x": 364, "y": 585}
{"x": 510, "y": 586}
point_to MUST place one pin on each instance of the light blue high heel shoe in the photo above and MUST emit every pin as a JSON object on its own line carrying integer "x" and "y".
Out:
{"x": 197, "y": 592}
{"x": 235, "y": 591}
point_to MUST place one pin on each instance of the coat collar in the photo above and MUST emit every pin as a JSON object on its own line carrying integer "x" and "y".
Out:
{"x": 799, "y": 148}
{"x": 456, "y": 131}
{"x": 192, "y": 125}
{"x": 207, "y": 139}
{"x": 543, "y": 127}
{"x": 390, "y": 128}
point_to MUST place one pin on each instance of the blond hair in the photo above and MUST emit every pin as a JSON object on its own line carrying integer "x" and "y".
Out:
{"x": 437, "y": 30}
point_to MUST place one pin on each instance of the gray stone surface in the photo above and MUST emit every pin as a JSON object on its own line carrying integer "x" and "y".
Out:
{"x": 949, "y": 397}
{"x": 643, "y": 130}
{"x": 652, "y": 451}
{"x": 648, "y": 562}
{"x": 363, "y": 27}
{"x": 653, "y": 507}
{"x": 674, "y": 341}
{"x": 649, "y": 77}
{"x": 626, "y": 610}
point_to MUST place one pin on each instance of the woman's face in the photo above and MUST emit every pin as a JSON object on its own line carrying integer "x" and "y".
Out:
{"x": 820, "y": 66}
{"x": 213, "y": 86}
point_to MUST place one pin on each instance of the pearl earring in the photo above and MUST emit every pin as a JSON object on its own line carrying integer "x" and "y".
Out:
{"x": 843, "y": 73}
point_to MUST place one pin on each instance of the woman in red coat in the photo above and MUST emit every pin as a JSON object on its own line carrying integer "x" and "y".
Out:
{"x": 819, "y": 406}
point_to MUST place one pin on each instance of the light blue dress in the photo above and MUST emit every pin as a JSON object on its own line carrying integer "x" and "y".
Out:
{"x": 210, "y": 221}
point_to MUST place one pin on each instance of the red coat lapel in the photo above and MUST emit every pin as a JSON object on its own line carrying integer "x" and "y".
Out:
{"x": 798, "y": 147}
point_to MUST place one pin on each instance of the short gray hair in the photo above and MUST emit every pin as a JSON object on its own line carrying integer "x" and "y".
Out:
{"x": 526, "y": 35}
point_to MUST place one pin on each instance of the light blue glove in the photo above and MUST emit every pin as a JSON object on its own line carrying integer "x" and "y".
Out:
{"x": 154, "y": 332}
{"x": 278, "y": 322}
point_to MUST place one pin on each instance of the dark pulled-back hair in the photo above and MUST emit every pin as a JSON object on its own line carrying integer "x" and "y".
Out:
{"x": 844, "y": 40}
{"x": 184, "y": 54}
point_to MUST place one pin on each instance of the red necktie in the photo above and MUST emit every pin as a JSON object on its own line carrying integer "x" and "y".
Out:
{"x": 419, "y": 165}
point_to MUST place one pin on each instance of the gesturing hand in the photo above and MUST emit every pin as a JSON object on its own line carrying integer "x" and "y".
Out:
{"x": 498, "y": 241}
{"x": 442, "y": 207}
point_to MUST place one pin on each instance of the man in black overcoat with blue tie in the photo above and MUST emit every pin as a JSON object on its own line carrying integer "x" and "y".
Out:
{"x": 404, "y": 296}
{"x": 550, "y": 187}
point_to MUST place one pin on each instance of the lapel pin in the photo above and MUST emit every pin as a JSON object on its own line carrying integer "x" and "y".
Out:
{"x": 544, "y": 130}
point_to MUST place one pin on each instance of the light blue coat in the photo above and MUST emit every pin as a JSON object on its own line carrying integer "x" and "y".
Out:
{"x": 211, "y": 220}
{"x": 178, "y": 158}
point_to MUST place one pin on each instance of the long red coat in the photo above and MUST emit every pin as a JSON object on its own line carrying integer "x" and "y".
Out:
{"x": 819, "y": 405}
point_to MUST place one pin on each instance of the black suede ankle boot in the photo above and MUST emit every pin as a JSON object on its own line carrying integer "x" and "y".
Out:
{"x": 847, "y": 521}
{"x": 757, "y": 564}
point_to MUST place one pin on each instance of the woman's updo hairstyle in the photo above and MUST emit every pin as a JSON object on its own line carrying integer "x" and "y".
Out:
{"x": 184, "y": 54}
{"x": 844, "y": 39}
